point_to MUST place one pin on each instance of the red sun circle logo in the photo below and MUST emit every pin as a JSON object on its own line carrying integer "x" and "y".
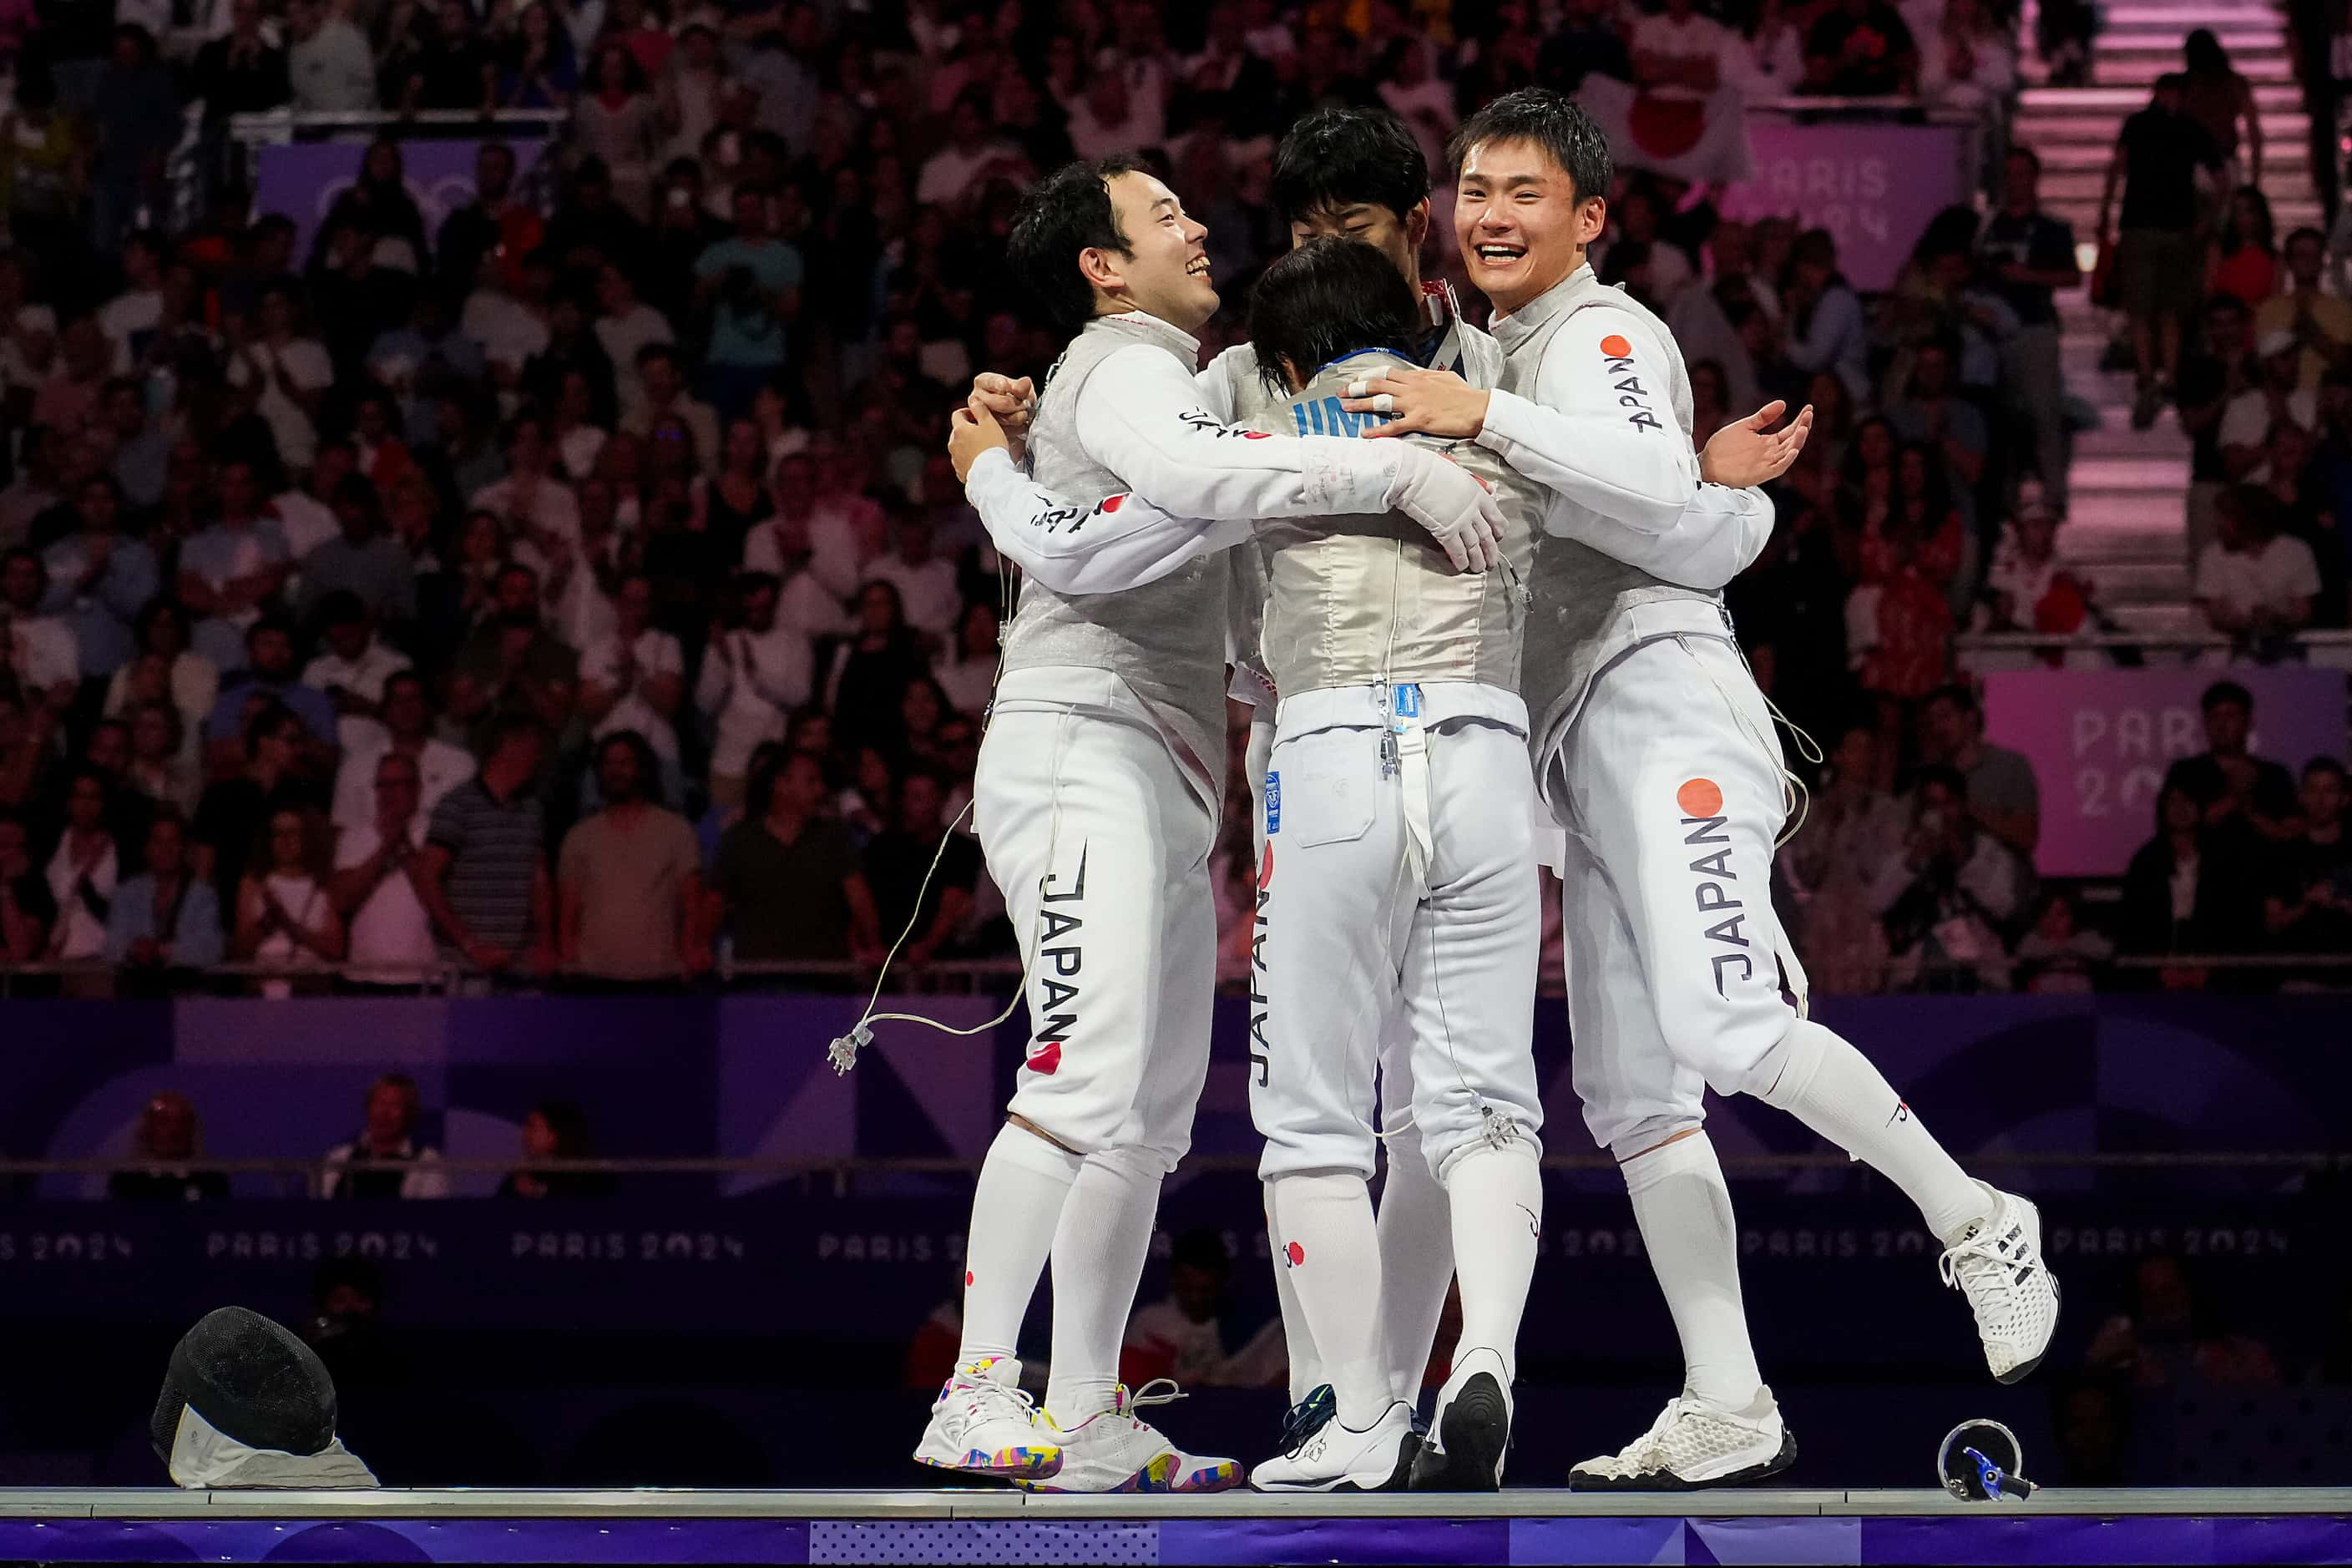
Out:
{"x": 1296, "y": 1252}
{"x": 1616, "y": 347}
{"x": 1699, "y": 797}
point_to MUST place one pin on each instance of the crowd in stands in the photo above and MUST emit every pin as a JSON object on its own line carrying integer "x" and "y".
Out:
{"x": 574, "y": 590}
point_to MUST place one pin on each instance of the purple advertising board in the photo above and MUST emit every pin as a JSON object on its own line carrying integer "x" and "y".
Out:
{"x": 1872, "y": 186}
{"x": 2100, "y": 740}
{"x": 302, "y": 180}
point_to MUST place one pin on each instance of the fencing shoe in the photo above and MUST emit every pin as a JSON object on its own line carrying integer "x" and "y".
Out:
{"x": 984, "y": 1426}
{"x": 1998, "y": 1266}
{"x": 1330, "y": 1458}
{"x": 1114, "y": 1451}
{"x": 1692, "y": 1445}
{"x": 1466, "y": 1442}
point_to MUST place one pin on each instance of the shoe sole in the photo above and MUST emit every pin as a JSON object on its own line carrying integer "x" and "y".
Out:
{"x": 1667, "y": 1481}
{"x": 1475, "y": 1430}
{"x": 1164, "y": 1477}
{"x": 2025, "y": 1368}
{"x": 1005, "y": 1464}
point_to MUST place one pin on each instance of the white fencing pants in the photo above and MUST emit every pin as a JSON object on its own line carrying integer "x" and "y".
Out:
{"x": 1671, "y": 791}
{"x": 1100, "y": 844}
{"x": 1347, "y": 922}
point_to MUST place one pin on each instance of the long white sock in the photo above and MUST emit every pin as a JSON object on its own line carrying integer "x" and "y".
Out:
{"x": 1416, "y": 1227}
{"x": 1098, "y": 1253}
{"x": 1684, "y": 1208}
{"x": 1298, "y": 1340}
{"x": 1015, "y": 1211}
{"x": 1496, "y": 1199}
{"x": 1323, "y": 1226}
{"x": 1825, "y": 1083}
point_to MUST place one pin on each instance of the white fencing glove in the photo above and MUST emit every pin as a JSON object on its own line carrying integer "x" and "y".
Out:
{"x": 1459, "y": 511}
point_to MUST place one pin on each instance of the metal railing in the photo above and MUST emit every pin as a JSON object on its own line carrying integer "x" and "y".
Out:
{"x": 279, "y": 126}
{"x": 842, "y": 1169}
{"x": 2327, "y": 646}
{"x": 993, "y": 976}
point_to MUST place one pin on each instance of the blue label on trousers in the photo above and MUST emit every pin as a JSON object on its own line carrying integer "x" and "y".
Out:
{"x": 1273, "y": 804}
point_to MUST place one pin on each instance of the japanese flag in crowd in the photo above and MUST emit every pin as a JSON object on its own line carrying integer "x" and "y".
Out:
{"x": 1689, "y": 139}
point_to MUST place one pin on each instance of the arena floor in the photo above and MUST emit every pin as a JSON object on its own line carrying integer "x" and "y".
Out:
{"x": 2220, "y": 1526}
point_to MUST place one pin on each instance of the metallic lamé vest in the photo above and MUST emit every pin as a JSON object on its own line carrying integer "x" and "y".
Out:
{"x": 1355, "y": 600}
{"x": 1166, "y": 640}
{"x": 1575, "y": 623}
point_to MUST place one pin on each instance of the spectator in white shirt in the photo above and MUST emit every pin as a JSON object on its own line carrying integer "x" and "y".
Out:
{"x": 353, "y": 666}
{"x": 2280, "y": 397}
{"x": 816, "y": 552}
{"x": 662, "y": 395}
{"x": 139, "y": 306}
{"x": 306, "y": 514}
{"x": 2255, "y": 584}
{"x": 753, "y": 675}
{"x": 390, "y": 935}
{"x": 405, "y": 728}
{"x": 625, "y": 325}
{"x": 37, "y": 649}
{"x": 329, "y": 62}
{"x": 291, "y": 371}
{"x": 532, "y": 503}
{"x": 507, "y": 315}
{"x": 955, "y": 175}
{"x": 635, "y": 678}
{"x": 84, "y": 871}
{"x": 925, "y": 582}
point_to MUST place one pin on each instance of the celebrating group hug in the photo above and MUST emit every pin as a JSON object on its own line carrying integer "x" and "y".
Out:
{"x": 1470, "y": 583}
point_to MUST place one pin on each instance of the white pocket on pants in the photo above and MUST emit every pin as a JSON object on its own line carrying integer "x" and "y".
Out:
{"x": 1324, "y": 789}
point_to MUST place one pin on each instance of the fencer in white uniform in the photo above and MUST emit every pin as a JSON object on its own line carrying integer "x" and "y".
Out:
{"x": 1427, "y": 879}
{"x": 1097, "y": 799}
{"x": 1656, "y": 756}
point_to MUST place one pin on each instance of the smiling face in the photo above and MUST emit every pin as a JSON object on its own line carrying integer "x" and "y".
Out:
{"x": 1165, "y": 273}
{"x": 1522, "y": 224}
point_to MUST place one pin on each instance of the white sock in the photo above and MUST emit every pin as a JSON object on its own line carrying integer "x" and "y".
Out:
{"x": 1015, "y": 1210}
{"x": 1098, "y": 1253}
{"x": 1496, "y": 1198}
{"x": 1684, "y": 1212}
{"x": 1297, "y": 1339}
{"x": 1831, "y": 1088}
{"x": 1323, "y": 1226}
{"x": 1416, "y": 1227}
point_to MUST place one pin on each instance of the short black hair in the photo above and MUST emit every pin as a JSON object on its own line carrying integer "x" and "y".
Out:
{"x": 2305, "y": 232}
{"x": 1559, "y": 125}
{"x": 2032, "y": 158}
{"x": 1343, "y": 157}
{"x": 2222, "y": 691}
{"x": 2318, "y": 765}
{"x": 1067, "y": 212}
{"x": 649, "y": 778}
{"x": 1328, "y": 298}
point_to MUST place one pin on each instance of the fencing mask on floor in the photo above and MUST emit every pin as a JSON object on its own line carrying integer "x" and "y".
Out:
{"x": 247, "y": 1404}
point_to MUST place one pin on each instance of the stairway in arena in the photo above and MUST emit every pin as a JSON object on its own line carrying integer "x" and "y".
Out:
{"x": 2126, "y": 524}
